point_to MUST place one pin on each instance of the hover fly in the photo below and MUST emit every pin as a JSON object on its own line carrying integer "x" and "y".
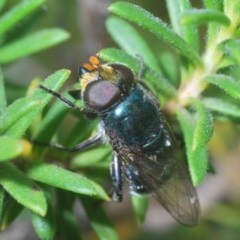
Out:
{"x": 143, "y": 149}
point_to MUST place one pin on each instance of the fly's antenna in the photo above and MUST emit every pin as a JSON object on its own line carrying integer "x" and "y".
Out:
{"x": 94, "y": 63}
{"x": 61, "y": 98}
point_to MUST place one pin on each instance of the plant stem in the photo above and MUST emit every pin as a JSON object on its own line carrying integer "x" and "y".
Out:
{"x": 194, "y": 84}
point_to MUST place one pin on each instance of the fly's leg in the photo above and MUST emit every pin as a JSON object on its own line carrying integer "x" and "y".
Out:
{"x": 97, "y": 139}
{"x": 91, "y": 142}
{"x": 116, "y": 174}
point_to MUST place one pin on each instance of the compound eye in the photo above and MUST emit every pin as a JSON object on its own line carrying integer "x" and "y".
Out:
{"x": 126, "y": 73}
{"x": 100, "y": 95}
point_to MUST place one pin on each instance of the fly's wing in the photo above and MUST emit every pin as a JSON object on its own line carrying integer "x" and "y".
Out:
{"x": 167, "y": 178}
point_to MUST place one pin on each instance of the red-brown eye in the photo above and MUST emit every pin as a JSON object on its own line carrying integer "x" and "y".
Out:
{"x": 100, "y": 95}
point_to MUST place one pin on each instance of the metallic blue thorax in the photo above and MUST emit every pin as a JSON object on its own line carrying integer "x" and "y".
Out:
{"x": 135, "y": 121}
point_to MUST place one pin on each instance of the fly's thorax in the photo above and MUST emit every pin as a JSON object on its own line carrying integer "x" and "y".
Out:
{"x": 103, "y": 86}
{"x": 136, "y": 121}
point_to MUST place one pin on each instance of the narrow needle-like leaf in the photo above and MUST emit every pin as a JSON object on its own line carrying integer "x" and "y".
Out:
{"x": 197, "y": 156}
{"x": 31, "y": 44}
{"x": 131, "y": 41}
{"x": 64, "y": 179}
{"x": 12, "y": 147}
{"x": 222, "y": 106}
{"x": 99, "y": 221}
{"x": 204, "y": 126}
{"x": 189, "y": 32}
{"x": 3, "y": 101}
{"x": 22, "y": 189}
{"x": 19, "y": 115}
{"x": 17, "y": 13}
{"x": 156, "y": 26}
{"x": 228, "y": 84}
{"x": 200, "y": 16}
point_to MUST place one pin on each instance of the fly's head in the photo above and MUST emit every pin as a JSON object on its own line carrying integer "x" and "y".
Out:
{"x": 104, "y": 85}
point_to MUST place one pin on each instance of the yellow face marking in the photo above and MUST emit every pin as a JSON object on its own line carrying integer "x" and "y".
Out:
{"x": 87, "y": 78}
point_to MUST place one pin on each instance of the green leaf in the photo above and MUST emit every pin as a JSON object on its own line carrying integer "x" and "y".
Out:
{"x": 14, "y": 112}
{"x": 228, "y": 84}
{"x": 213, "y": 28}
{"x": 75, "y": 136}
{"x": 156, "y": 26}
{"x": 19, "y": 115}
{"x": 196, "y": 155}
{"x": 222, "y": 106}
{"x": 232, "y": 49}
{"x": 3, "y": 100}
{"x": 156, "y": 81}
{"x": 12, "y": 147}
{"x": 11, "y": 211}
{"x": 189, "y": 33}
{"x": 2, "y": 3}
{"x": 17, "y": 13}
{"x": 99, "y": 221}
{"x": 200, "y": 16}
{"x": 51, "y": 122}
{"x": 71, "y": 228}
{"x": 14, "y": 91}
{"x": 131, "y": 41}
{"x": 91, "y": 157}
{"x": 225, "y": 216}
{"x": 33, "y": 43}
{"x": 214, "y": 4}
{"x": 64, "y": 179}
{"x": 231, "y": 9}
{"x": 170, "y": 67}
{"x": 22, "y": 189}
{"x": 1, "y": 203}
{"x": 53, "y": 82}
{"x": 174, "y": 11}
{"x": 140, "y": 206}
{"x": 204, "y": 126}
{"x": 45, "y": 227}
{"x": 66, "y": 217}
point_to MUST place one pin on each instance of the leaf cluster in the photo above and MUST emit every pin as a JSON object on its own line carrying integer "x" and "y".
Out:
{"x": 200, "y": 68}
{"x": 26, "y": 181}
